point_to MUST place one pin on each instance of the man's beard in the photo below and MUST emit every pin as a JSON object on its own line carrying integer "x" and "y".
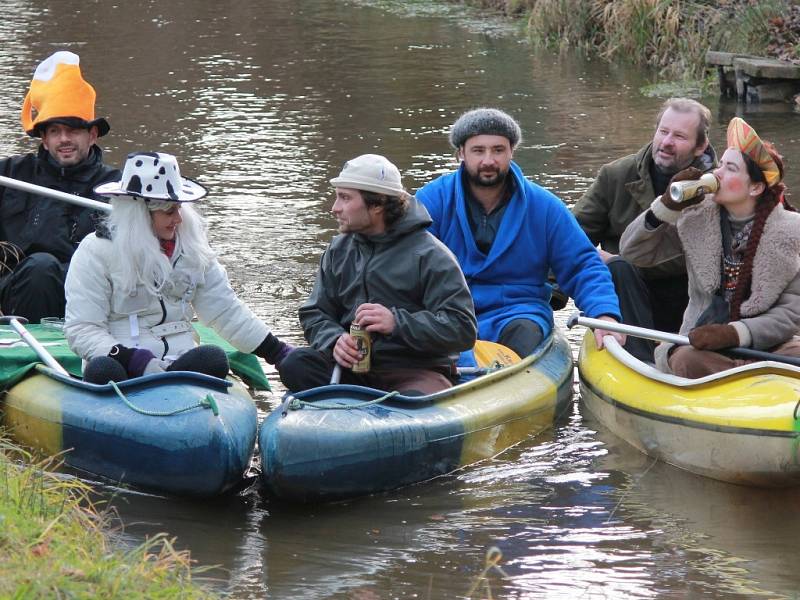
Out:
{"x": 495, "y": 181}
{"x": 668, "y": 171}
{"x": 675, "y": 167}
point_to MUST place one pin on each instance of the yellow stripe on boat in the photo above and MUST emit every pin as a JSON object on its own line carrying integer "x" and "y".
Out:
{"x": 762, "y": 399}
{"x": 38, "y": 426}
{"x": 527, "y": 404}
{"x": 738, "y": 426}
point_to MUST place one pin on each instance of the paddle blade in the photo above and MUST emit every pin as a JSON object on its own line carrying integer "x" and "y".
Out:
{"x": 491, "y": 354}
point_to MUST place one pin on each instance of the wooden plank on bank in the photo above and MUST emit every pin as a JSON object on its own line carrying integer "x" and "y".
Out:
{"x": 767, "y": 68}
{"x": 715, "y": 58}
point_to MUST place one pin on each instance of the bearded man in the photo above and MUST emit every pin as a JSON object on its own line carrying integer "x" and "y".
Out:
{"x": 385, "y": 273}
{"x": 509, "y": 233}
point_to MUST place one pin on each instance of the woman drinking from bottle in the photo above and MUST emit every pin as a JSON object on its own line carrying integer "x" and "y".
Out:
{"x": 742, "y": 250}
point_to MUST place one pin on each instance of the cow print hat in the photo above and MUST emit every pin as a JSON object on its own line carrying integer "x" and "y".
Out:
{"x": 153, "y": 176}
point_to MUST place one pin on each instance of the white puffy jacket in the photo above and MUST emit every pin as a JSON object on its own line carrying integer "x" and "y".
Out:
{"x": 100, "y": 316}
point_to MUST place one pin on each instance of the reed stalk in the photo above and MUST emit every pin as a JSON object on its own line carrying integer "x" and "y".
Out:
{"x": 671, "y": 36}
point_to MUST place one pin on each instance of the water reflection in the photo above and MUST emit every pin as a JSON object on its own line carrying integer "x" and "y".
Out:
{"x": 263, "y": 102}
{"x": 739, "y": 538}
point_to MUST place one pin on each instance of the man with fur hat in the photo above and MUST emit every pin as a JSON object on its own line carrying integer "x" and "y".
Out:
{"x": 653, "y": 297}
{"x": 509, "y": 233}
{"x": 58, "y": 109}
{"x": 386, "y": 273}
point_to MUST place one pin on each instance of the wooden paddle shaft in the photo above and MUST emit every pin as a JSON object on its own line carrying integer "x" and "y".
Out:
{"x": 44, "y": 191}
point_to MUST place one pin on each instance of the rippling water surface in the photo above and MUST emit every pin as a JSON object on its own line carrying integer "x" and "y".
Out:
{"x": 263, "y": 102}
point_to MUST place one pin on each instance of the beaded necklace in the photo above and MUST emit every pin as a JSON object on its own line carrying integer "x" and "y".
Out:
{"x": 733, "y": 259}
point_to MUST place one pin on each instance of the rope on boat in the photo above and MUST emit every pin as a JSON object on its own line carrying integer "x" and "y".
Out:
{"x": 297, "y": 404}
{"x": 208, "y": 402}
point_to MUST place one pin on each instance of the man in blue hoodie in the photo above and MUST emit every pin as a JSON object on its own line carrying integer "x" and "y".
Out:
{"x": 509, "y": 233}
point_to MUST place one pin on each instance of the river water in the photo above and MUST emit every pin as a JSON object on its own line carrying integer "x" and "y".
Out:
{"x": 263, "y": 102}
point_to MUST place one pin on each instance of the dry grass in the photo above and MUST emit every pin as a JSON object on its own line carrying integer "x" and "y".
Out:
{"x": 670, "y": 35}
{"x": 54, "y": 542}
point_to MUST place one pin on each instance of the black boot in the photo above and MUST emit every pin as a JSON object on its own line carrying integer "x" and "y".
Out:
{"x": 103, "y": 369}
{"x": 210, "y": 360}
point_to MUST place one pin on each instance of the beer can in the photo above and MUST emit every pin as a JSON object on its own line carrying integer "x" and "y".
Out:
{"x": 680, "y": 191}
{"x": 361, "y": 336}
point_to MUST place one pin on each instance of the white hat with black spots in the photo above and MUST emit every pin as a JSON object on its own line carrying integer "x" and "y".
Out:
{"x": 153, "y": 175}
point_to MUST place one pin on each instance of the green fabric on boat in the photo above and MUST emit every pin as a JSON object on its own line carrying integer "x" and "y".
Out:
{"x": 243, "y": 365}
{"x": 16, "y": 358}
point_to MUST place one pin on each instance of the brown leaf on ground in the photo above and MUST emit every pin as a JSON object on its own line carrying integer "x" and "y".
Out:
{"x": 73, "y": 573}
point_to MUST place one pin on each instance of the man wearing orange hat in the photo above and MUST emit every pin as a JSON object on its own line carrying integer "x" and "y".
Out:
{"x": 59, "y": 109}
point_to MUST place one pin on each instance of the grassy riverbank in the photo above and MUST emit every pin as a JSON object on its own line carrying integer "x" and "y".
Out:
{"x": 669, "y": 35}
{"x": 55, "y": 544}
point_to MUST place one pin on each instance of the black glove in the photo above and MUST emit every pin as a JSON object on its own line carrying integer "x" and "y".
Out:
{"x": 136, "y": 361}
{"x": 273, "y": 350}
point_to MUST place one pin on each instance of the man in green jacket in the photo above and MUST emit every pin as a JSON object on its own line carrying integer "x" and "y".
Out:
{"x": 624, "y": 189}
{"x": 388, "y": 274}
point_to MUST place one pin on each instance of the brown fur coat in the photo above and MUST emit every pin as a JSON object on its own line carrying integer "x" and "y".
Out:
{"x": 771, "y": 314}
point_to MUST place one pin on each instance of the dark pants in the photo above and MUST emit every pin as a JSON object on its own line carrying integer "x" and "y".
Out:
{"x": 651, "y": 303}
{"x": 692, "y": 363}
{"x": 35, "y": 288}
{"x": 306, "y": 368}
{"x": 522, "y": 336}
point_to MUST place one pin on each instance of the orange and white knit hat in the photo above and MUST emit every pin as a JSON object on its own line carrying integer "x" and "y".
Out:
{"x": 743, "y": 137}
{"x": 59, "y": 93}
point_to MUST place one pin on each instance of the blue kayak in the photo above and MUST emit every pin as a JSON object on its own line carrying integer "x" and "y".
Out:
{"x": 176, "y": 432}
{"x": 341, "y": 441}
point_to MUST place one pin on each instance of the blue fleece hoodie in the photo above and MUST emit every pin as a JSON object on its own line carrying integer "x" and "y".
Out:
{"x": 537, "y": 234}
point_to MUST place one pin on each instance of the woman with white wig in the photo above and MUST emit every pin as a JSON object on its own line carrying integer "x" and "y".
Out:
{"x": 135, "y": 284}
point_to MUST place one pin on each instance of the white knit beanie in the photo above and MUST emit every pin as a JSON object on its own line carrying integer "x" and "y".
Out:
{"x": 370, "y": 172}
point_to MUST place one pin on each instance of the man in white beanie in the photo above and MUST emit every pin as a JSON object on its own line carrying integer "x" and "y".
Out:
{"x": 387, "y": 274}
{"x": 40, "y": 234}
{"x": 508, "y": 233}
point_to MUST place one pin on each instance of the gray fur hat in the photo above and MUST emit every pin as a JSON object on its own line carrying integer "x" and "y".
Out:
{"x": 485, "y": 121}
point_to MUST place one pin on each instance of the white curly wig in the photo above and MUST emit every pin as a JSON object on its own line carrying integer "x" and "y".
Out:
{"x": 137, "y": 251}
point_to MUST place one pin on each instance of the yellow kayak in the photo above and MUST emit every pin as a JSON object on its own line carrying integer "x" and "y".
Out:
{"x": 740, "y": 426}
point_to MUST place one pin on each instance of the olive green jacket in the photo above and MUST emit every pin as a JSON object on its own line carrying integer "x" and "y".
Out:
{"x": 623, "y": 190}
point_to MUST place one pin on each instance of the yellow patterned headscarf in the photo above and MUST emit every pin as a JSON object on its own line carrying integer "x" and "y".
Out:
{"x": 743, "y": 137}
